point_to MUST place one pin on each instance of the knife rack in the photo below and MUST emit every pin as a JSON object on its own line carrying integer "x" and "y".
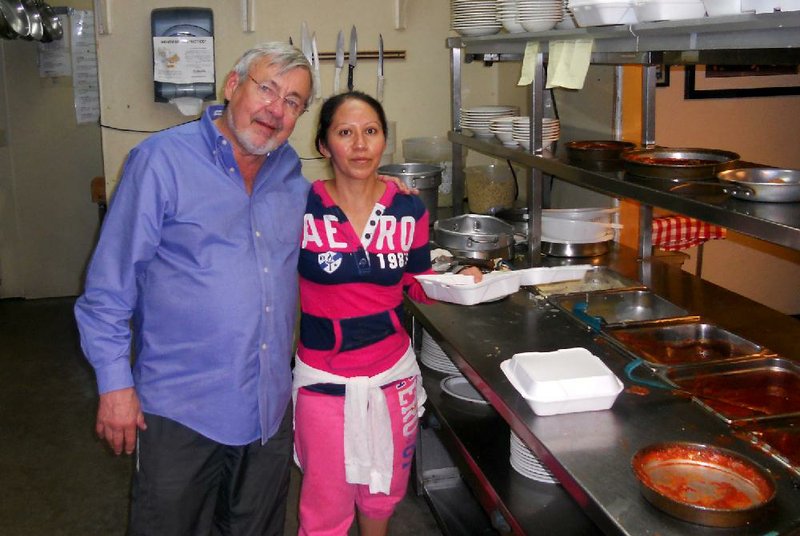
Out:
{"x": 366, "y": 55}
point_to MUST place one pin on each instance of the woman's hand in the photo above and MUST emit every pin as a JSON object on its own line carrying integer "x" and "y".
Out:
{"x": 474, "y": 271}
{"x": 403, "y": 187}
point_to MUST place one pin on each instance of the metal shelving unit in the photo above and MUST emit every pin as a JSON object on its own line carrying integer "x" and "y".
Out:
{"x": 769, "y": 38}
{"x": 741, "y": 39}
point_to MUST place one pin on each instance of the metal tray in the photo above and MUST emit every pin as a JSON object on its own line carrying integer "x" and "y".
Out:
{"x": 703, "y": 484}
{"x": 779, "y": 438}
{"x": 619, "y": 308}
{"x": 770, "y": 384}
{"x": 598, "y": 278}
{"x": 688, "y": 343}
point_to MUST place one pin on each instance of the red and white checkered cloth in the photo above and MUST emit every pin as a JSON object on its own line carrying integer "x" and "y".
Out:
{"x": 674, "y": 233}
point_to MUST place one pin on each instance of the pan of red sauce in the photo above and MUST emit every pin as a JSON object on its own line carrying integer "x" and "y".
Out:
{"x": 678, "y": 163}
{"x": 756, "y": 388}
{"x": 703, "y": 484}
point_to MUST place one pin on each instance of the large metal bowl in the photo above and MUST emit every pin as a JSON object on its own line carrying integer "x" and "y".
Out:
{"x": 769, "y": 185}
{"x": 678, "y": 163}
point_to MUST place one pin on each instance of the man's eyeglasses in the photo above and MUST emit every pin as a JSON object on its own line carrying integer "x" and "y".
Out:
{"x": 269, "y": 94}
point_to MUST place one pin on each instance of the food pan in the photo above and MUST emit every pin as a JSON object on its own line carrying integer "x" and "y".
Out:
{"x": 599, "y": 155}
{"x": 684, "y": 344}
{"x": 763, "y": 184}
{"x": 620, "y": 307}
{"x": 703, "y": 484}
{"x": 757, "y": 388}
{"x": 779, "y": 438}
{"x": 678, "y": 163}
{"x": 596, "y": 279}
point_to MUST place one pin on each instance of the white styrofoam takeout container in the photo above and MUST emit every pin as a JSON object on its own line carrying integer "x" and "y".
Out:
{"x": 656, "y": 10}
{"x": 565, "y": 381}
{"x": 463, "y": 290}
{"x": 543, "y": 275}
{"x": 603, "y": 12}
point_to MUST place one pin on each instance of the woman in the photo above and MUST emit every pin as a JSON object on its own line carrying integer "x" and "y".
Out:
{"x": 356, "y": 377}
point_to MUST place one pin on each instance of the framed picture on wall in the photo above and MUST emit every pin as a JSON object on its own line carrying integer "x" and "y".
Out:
{"x": 738, "y": 81}
{"x": 662, "y": 75}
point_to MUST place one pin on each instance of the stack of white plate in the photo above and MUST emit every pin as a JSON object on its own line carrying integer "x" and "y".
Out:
{"x": 474, "y": 17}
{"x": 568, "y": 22}
{"x": 521, "y": 131}
{"x": 507, "y": 16}
{"x": 539, "y": 15}
{"x": 503, "y": 129}
{"x": 478, "y": 118}
{"x": 433, "y": 357}
{"x": 527, "y": 463}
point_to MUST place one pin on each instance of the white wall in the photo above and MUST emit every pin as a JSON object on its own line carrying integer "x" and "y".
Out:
{"x": 416, "y": 93}
{"x": 47, "y": 219}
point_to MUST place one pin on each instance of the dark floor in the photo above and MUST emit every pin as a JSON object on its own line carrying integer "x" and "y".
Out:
{"x": 55, "y": 477}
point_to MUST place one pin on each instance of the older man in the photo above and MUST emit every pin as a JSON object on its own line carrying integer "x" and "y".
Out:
{"x": 198, "y": 254}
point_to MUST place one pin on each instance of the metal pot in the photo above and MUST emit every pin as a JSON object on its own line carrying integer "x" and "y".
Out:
{"x": 35, "y": 18}
{"x": 51, "y": 23}
{"x": 475, "y": 236}
{"x": 424, "y": 177}
{"x": 16, "y": 18}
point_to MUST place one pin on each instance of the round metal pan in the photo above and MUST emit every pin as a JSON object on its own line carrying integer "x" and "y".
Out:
{"x": 703, "y": 484}
{"x": 678, "y": 163}
{"x": 768, "y": 185}
{"x": 598, "y": 155}
{"x": 597, "y": 149}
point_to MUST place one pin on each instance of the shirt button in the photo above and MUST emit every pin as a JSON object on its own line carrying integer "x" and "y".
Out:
{"x": 264, "y": 346}
{"x": 267, "y": 309}
{"x": 378, "y": 212}
{"x": 224, "y": 142}
{"x": 231, "y": 170}
{"x": 363, "y": 262}
{"x": 372, "y": 222}
{"x": 367, "y": 235}
{"x": 266, "y": 270}
{"x": 258, "y": 234}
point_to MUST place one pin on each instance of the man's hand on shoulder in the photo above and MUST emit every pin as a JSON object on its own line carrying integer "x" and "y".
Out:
{"x": 402, "y": 186}
{"x": 119, "y": 415}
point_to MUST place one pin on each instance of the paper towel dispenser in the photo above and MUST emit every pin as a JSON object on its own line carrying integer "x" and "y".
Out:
{"x": 183, "y": 56}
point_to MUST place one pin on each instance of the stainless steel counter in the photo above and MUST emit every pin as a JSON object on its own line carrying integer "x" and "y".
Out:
{"x": 590, "y": 452}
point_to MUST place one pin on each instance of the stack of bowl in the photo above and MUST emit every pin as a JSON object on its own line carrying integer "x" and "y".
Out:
{"x": 539, "y": 15}
{"x": 478, "y": 118}
{"x": 521, "y": 131}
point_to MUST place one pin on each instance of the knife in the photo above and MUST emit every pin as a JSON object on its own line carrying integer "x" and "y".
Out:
{"x": 353, "y": 57}
{"x": 315, "y": 66}
{"x": 305, "y": 41}
{"x": 339, "y": 61}
{"x": 379, "y": 93}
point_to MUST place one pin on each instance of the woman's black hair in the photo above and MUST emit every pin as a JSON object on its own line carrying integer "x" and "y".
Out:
{"x": 330, "y": 106}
